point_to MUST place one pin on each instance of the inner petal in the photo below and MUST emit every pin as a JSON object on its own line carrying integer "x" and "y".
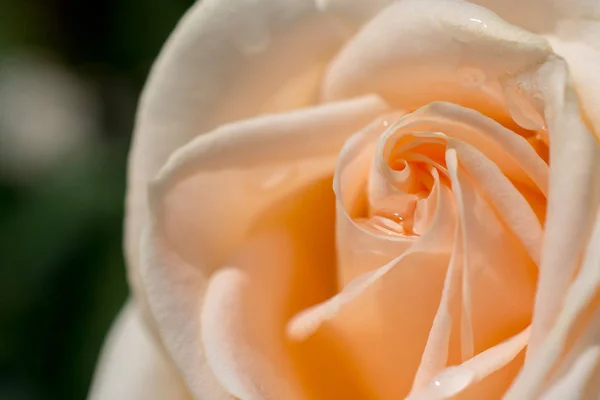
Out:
{"x": 395, "y": 236}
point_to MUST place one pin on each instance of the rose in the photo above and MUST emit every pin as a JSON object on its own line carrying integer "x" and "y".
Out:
{"x": 460, "y": 262}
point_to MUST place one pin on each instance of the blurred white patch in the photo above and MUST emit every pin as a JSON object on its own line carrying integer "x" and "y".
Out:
{"x": 46, "y": 114}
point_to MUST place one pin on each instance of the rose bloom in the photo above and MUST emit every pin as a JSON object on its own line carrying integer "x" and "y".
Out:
{"x": 355, "y": 199}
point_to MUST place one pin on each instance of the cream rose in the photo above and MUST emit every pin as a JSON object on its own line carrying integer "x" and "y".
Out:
{"x": 354, "y": 199}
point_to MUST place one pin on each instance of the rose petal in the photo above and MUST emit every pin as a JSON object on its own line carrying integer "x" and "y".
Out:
{"x": 583, "y": 64}
{"x": 498, "y": 278}
{"x": 373, "y": 318}
{"x": 534, "y": 15}
{"x": 132, "y": 366}
{"x": 468, "y": 380}
{"x": 541, "y": 15}
{"x": 226, "y": 60}
{"x": 457, "y": 52}
{"x": 581, "y": 295}
{"x": 512, "y": 153}
{"x": 360, "y": 250}
{"x": 440, "y": 342}
{"x": 574, "y": 187}
{"x": 573, "y": 385}
{"x": 211, "y": 204}
{"x": 504, "y": 197}
{"x": 370, "y": 327}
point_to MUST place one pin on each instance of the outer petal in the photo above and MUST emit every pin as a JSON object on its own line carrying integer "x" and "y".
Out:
{"x": 567, "y": 285}
{"x": 226, "y": 60}
{"x": 583, "y": 61}
{"x": 232, "y": 245}
{"x": 132, "y": 366}
{"x": 534, "y": 15}
{"x": 457, "y": 52}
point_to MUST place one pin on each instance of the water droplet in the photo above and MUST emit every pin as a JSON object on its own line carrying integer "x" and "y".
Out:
{"x": 451, "y": 381}
{"x": 521, "y": 108}
{"x": 253, "y": 40}
{"x": 385, "y": 123}
{"x": 465, "y": 32}
{"x": 478, "y": 21}
{"x": 388, "y": 214}
{"x": 470, "y": 77}
{"x": 391, "y": 223}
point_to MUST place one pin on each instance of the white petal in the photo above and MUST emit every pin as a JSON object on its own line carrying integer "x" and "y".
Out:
{"x": 133, "y": 367}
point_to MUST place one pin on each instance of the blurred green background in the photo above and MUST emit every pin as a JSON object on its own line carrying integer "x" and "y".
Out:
{"x": 70, "y": 75}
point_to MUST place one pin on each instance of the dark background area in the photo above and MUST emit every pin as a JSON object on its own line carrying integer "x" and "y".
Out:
{"x": 70, "y": 75}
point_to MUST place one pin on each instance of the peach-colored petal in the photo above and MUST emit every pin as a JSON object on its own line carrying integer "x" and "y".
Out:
{"x": 258, "y": 160}
{"x": 454, "y": 380}
{"x": 498, "y": 275}
{"x": 360, "y": 250}
{"x": 366, "y": 313}
{"x": 573, "y": 385}
{"x": 464, "y": 201}
{"x": 580, "y": 295}
{"x": 207, "y": 203}
{"x": 227, "y": 60}
{"x": 437, "y": 350}
{"x": 472, "y": 242}
{"x": 540, "y": 16}
{"x": 504, "y": 197}
{"x": 583, "y": 61}
{"x": 511, "y": 152}
{"x": 308, "y": 321}
{"x": 132, "y": 366}
{"x": 242, "y": 342}
{"x": 457, "y": 52}
{"x": 574, "y": 181}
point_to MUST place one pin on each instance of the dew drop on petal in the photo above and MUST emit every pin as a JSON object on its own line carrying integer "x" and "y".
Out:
{"x": 451, "y": 381}
{"x": 520, "y": 108}
{"x": 470, "y": 77}
{"x": 478, "y": 21}
{"x": 464, "y": 31}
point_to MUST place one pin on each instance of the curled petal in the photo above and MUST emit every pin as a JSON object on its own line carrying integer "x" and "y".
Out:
{"x": 540, "y": 16}
{"x": 572, "y": 201}
{"x": 211, "y": 205}
{"x": 583, "y": 64}
{"x": 457, "y": 52}
{"x": 464, "y": 377}
{"x": 227, "y": 60}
